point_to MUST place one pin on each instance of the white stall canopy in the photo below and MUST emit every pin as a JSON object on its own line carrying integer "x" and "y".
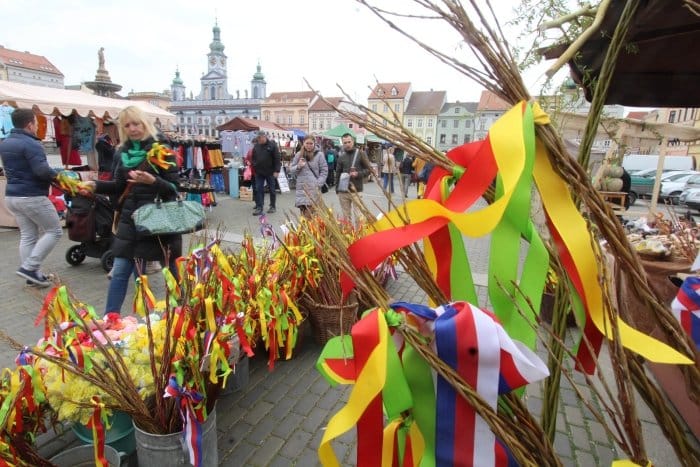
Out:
{"x": 53, "y": 101}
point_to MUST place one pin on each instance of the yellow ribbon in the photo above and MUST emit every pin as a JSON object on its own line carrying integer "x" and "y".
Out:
{"x": 209, "y": 310}
{"x": 574, "y": 232}
{"x": 629, "y": 463}
{"x": 369, "y": 384}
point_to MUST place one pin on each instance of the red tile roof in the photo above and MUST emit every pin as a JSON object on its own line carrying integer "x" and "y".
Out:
{"x": 425, "y": 103}
{"x": 490, "y": 101}
{"x": 401, "y": 91}
{"x": 637, "y": 115}
{"x": 321, "y": 106}
{"x": 27, "y": 60}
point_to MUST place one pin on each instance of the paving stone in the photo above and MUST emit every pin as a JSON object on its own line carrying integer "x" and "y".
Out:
{"x": 573, "y": 415}
{"x": 257, "y": 411}
{"x": 238, "y": 455}
{"x": 605, "y": 454}
{"x": 281, "y": 408}
{"x": 314, "y": 419}
{"x": 262, "y": 430}
{"x": 267, "y": 451}
{"x": 584, "y": 458}
{"x": 598, "y": 433}
{"x": 306, "y": 403}
{"x": 295, "y": 444}
{"x": 562, "y": 445}
{"x": 288, "y": 425}
{"x": 280, "y": 461}
{"x": 307, "y": 458}
{"x": 235, "y": 433}
{"x": 580, "y": 438}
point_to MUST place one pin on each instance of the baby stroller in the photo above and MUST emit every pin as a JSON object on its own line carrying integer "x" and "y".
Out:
{"x": 89, "y": 221}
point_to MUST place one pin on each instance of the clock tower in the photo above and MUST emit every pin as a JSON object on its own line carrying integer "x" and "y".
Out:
{"x": 215, "y": 82}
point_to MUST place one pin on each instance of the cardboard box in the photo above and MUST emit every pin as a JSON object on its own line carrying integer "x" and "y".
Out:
{"x": 245, "y": 194}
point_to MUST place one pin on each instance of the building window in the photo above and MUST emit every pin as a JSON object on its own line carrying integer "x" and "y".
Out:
{"x": 397, "y": 108}
{"x": 409, "y": 123}
{"x": 289, "y": 119}
{"x": 672, "y": 116}
{"x": 457, "y": 110}
{"x": 419, "y": 123}
{"x": 320, "y": 125}
{"x": 442, "y": 138}
{"x": 467, "y": 139}
{"x": 351, "y": 125}
{"x": 212, "y": 92}
{"x": 394, "y": 92}
{"x": 467, "y": 124}
{"x": 443, "y": 124}
{"x": 374, "y": 107}
{"x": 384, "y": 122}
{"x": 386, "y": 108}
{"x": 430, "y": 123}
{"x": 455, "y": 123}
{"x": 454, "y": 139}
{"x": 189, "y": 119}
{"x": 313, "y": 125}
{"x": 301, "y": 119}
{"x": 429, "y": 140}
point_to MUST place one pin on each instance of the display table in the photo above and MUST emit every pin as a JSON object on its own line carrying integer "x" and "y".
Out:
{"x": 669, "y": 377}
{"x": 7, "y": 219}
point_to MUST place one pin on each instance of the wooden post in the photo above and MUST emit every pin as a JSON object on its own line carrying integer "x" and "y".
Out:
{"x": 657, "y": 180}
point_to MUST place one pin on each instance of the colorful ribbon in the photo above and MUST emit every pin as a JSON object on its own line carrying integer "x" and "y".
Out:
{"x": 686, "y": 308}
{"x": 186, "y": 399}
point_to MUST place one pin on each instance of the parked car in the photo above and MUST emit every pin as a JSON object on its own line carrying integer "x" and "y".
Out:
{"x": 691, "y": 198}
{"x": 672, "y": 187}
{"x": 642, "y": 185}
{"x": 685, "y": 194}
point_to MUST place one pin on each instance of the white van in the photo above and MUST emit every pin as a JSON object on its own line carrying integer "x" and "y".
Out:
{"x": 635, "y": 162}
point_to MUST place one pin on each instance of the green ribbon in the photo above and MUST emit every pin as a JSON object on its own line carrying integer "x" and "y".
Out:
{"x": 505, "y": 253}
{"x": 419, "y": 376}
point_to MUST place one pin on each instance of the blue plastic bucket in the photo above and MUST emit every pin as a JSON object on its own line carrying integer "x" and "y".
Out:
{"x": 120, "y": 436}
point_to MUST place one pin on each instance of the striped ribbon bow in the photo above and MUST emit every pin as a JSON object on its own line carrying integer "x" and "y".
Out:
{"x": 191, "y": 426}
{"x": 686, "y": 308}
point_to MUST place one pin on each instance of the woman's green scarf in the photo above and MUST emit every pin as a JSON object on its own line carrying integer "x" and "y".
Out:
{"x": 134, "y": 156}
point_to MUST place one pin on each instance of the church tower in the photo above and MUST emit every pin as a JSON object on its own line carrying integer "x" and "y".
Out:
{"x": 257, "y": 85}
{"x": 177, "y": 88}
{"x": 215, "y": 81}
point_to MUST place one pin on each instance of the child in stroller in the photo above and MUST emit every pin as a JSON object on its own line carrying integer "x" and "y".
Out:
{"x": 89, "y": 221}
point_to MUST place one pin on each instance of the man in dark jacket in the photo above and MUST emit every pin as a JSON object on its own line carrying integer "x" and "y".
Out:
{"x": 26, "y": 196}
{"x": 353, "y": 165}
{"x": 267, "y": 164}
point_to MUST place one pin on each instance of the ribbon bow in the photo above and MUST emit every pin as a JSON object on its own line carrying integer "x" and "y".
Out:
{"x": 186, "y": 400}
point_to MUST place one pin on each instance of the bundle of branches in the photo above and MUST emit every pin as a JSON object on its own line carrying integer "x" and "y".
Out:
{"x": 25, "y": 414}
{"x": 514, "y": 425}
{"x": 480, "y": 31}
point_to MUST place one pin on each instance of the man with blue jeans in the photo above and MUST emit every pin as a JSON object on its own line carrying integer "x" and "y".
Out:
{"x": 267, "y": 164}
{"x": 26, "y": 196}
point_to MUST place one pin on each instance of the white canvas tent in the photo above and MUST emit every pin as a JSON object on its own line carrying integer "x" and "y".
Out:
{"x": 53, "y": 101}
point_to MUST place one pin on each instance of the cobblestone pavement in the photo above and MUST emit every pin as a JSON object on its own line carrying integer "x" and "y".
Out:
{"x": 279, "y": 417}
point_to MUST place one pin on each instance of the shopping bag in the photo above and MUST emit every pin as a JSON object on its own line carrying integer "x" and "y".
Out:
{"x": 170, "y": 217}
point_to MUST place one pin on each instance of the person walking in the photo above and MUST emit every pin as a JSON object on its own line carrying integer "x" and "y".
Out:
{"x": 27, "y": 196}
{"x": 418, "y": 165}
{"x": 406, "y": 171}
{"x": 310, "y": 168}
{"x": 388, "y": 168}
{"x": 267, "y": 163}
{"x": 352, "y": 166}
{"x": 138, "y": 179}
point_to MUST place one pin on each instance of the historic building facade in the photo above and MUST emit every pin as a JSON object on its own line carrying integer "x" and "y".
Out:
{"x": 289, "y": 109}
{"x": 455, "y": 125}
{"x": 27, "y": 68}
{"x": 200, "y": 115}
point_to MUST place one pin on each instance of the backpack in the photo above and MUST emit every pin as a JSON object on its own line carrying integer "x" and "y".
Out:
{"x": 406, "y": 166}
{"x": 330, "y": 157}
{"x": 425, "y": 172}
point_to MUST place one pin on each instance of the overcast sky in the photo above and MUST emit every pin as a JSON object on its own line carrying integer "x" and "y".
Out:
{"x": 324, "y": 41}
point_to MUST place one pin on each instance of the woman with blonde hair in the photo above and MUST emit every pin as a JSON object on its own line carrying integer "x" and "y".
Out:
{"x": 145, "y": 170}
{"x": 310, "y": 167}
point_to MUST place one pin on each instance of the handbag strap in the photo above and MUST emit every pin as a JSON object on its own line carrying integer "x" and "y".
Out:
{"x": 311, "y": 168}
{"x": 127, "y": 190}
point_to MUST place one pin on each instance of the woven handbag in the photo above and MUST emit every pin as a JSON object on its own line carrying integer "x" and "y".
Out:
{"x": 170, "y": 217}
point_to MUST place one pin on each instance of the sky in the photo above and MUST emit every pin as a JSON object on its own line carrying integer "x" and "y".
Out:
{"x": 326, "y": 42}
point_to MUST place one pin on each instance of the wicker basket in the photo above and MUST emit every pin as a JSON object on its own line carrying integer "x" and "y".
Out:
{"x": 331, "y": 320}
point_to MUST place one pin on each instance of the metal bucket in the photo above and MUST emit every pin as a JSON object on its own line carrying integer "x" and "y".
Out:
{"x": 84, "y": 456}
{"x": 170, "y": 450}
